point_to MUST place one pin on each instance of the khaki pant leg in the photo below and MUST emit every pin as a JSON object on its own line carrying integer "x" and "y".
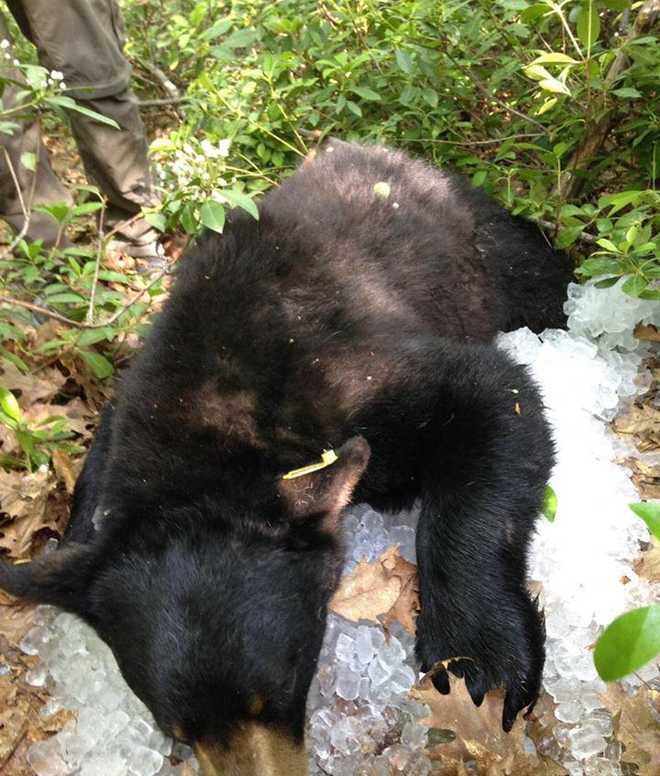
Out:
{"x": 40, "y": 187}
{"x": 84, "y": 40}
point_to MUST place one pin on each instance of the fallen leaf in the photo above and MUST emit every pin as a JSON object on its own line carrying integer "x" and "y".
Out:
{"x": 636, "y": 726}
{"x": 66, "y": 469}
{"x": 647, "y": 565}
{"x": 15, "y": 618}
{"x": 406, "y": 607}
{"x": 33, "y": 388}
{"x": 477, "y": 734}
{"x": 23, "y": 502}
{"x": 647, "y": 332}
{"x": 646, "y": 477}
{"x": 382, "y": 591}
{"x": 368, "y": 591}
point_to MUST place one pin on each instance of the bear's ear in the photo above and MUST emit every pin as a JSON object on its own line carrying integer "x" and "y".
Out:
{"x": 60, "y": 578}
{"x": 325, "y": 491}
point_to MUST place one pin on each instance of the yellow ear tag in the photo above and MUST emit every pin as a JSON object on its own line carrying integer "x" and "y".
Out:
{"x": 328, "y": 457}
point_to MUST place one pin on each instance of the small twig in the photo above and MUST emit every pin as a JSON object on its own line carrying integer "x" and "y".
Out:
{"x": 552, "y": 227}
{"x": 556, "y": 7}
{"x": 169, "y": 87}
{"x": 27, "y": 209}
{"x": 492, "y": 141}
{"x": 100, "y": 250}
{"x": 77, "y": 324}
{"x": 491, "y": 96}
{"x": 164, "y": 101}
{"x": 122, "y": 225}
{"x": 14, "y": 178}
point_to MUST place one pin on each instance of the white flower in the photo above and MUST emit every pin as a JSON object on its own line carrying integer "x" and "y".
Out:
{"x": 62, "y": 86}
{"x": 16, "y": 63}
{"x": 8, "y": 57}
{"x": 56, "y": 75}
{"x": 223, "y": 146}
{"x": 4, "y": 43}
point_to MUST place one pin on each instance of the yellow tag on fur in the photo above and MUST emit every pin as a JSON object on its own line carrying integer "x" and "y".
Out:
{"x": 328, "y": 457}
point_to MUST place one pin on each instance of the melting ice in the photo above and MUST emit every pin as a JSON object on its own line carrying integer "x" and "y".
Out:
{"x": 361, "y": 721}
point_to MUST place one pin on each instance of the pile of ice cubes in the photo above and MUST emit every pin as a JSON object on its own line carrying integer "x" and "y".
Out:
{"x": 361, "y": 720}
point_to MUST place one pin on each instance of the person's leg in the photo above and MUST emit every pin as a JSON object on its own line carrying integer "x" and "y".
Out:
{"x": 84, "y": 41}
{"x": 38, "y": 187}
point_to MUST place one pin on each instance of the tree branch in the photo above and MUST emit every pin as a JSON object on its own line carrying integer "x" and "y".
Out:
{"x": 78, "y": 324}
{"x": 571, "y": 182}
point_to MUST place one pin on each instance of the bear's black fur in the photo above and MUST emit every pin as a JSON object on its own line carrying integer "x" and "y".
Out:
{"x": 344, "y": 318}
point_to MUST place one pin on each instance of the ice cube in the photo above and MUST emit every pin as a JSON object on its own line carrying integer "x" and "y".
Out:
{"x": 347, "y": 685}
{"x": 345, "y": 648}
{"x": 145, "y": 762}
{"x": 45, "y": 759}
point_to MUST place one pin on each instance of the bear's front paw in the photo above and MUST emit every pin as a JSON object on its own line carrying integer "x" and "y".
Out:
{"x": 502, "y": 646}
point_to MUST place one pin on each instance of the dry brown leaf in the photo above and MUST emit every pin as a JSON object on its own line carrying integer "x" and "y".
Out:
{"x": 66, "y": 469}
{"x": 648, "y": 564}
{"x": 478, "y": 734}
{"x": 406, "y": 606}
{"x": 33, "y": 387}
{"x": 368, "y": 591}
{"x": 76, "y": 412}
{"x": 646, "y": 478}
{"x": 636, "y": 726}
{"x": 15, "y": 618}
{"x": 384, "y": 590}
{"x": 647, "y": 332}
{"x": 23, "y": 502}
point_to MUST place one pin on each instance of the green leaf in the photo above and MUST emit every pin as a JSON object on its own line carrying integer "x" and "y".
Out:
{"x": 68, "y": 297}
{"x": 60, "y": 211}
{"x": 217, "y": 29}
{"x": 212, "y": 215}
{"x": 554, "y": 58}
{"x": 549, "y": 507}
{"x": 86, "y": 208}
{"x": 537, "y": 72}
{"x": 99, "y": 364}
{"x": 553, "y": 85}
{"x": 479, "y": 177}
{"x": 239, "y": 39}
{"x": 157, "y": 220}
{"x": 365, "y": 93}
{"x": 534, "y": 12}
{"x": 568, "y": 235}
{"x": 92, "y": 336}
{"x": 354, "y": 108}
{"x": 607, "y": 283}
{"x": 608, "y": 245}
{"x": 9, "y": 405}
{"x": 616, "y": 5}
{"x": 588, "y": 24}
{"x": 628, "y": 643}
{"x": 619, "y": 201}
{"x": 598, "y": 266}
{"x": 649, "y": 511}
{"x": 634, "y": 285}
{"x": 547, "y": 105}
{"x": 187, "y": 219}
{"x": 404, "y": 61}
{"x": 29, "y": 161}
{"x": 239, "y": 199}
{"x": 69, "y": 104}
{"x": 627, "y": 92}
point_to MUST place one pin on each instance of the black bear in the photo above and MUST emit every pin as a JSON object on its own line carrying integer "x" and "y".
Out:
{"x": 356, "y": 315}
